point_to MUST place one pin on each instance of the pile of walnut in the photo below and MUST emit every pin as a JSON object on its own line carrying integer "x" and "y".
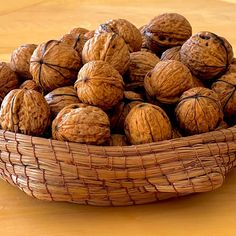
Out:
{"x": 120, "y": 85}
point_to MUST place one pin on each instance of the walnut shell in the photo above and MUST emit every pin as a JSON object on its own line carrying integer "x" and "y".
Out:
{"x": 81, "y": 123}
{"x": 60, "y": 98}
{"x": 78, "y": 31}
{"x": 197, "y": 82}
{"x": 108, "y": 47}
{"x": 89, "y": 35}
{"x": 222, "y": 125}
{"x": 225, "y": 89}
{"x": 176, "y": 133}
{"x": 167, "y": 81}
{"x": 132, "y": 96}
{"x": 54, "y": 64}
{"x": 118, "y": 140}
{"x": 166, "y": 31}
{"x": 8, "y": 80}
{"x": 140, "y": 64}
{"x": 124, "y": 29}
{"x": 171, "y": 54}
{"x": 99, "y": 84}
{"x": 144, "y": 40}
{"x": 75, "y": 41}
{"x": 199, "y": 110}
{"x": 147, "y": 123}
{"x": 232, "y": 67}
{"x": 25, "y": 111}
{"x": 207, "y": 55}
{"x": 20, "y": 60}
{"x": 30, "y": 84}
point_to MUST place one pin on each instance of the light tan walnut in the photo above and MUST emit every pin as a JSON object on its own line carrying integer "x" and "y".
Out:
{"x": 124, "y": 29}
{"x": 30, "y": 84}
{"x": 60, "y": 98}
{"x": 199, "y": 110}
{"x": 171, "y": 54}
{"x": 167, "y": 81}
{"x": 54, "y": 64}
{"x": 166, "y": 31}
{"x": 25, "y": 111}
{"x": 81, "y": 123}
{"x": 108, "y": 47}
{"x": 147, "y": 123}
{"x": 8, "y": 80}
{"x": 207, "y": 55}
{"x": 99, "y": 84}
{"x": 20, "y": 60}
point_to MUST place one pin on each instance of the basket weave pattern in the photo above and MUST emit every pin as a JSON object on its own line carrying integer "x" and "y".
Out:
{"x": 63, "y": 171}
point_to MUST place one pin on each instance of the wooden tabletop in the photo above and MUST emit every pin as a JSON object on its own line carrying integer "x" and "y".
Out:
{"x": 208, "y": 214}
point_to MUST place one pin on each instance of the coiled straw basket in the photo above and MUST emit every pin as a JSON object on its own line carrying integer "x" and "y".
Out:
{"x": 63, "y": 171}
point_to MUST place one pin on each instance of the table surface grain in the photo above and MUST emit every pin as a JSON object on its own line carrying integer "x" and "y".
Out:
{"x": 208, "y": 214}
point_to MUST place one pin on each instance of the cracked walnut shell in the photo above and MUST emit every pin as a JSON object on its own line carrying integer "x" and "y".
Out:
{"x": 129, "y": 32}
{"x": 207, "y": 55}
{"x": 147, "y": 123}
{"x": 20, "y": 60}
{"x": 8, "y": 80}
{"x": 167, "y": 81}
{"x": 225, "y": 88}
{"x": 60, "y": 98}
{"x": 99, "y": 84}
{"x": 198, "y": 111}
{"x": 54, "y": 64}
{"x": 108, "y": 47}
{"x": 25, "y": 111}
{"x": 81, "y": 123}
{"x": 166, "y": 31}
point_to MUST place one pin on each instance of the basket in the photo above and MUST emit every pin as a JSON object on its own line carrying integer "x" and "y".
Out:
{"x": 116, "y": 176}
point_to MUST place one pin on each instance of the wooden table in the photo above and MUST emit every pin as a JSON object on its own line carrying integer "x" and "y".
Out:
{"x": 209, "y": 214}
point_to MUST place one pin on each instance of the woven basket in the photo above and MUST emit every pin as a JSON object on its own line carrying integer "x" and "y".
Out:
{"x": 63, "y": 171}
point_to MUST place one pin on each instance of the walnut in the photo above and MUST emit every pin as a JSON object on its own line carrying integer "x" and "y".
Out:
{"x": 197, "y": 82}
{"x": 75, "y": 41}
{"x": 140, "y": 63}
{"x": 166, "y": 31}
{"x": 54, "y": 64}
{"x": 78, "y": 31}
{"x": 120, "y": 111}
{"x": 147, "y": 123}
{"x": 81, "y": 123}
{"x": 232, "y": 67}
{"x": 99, "y": 84}
{"x": 118, "y": 140}
{"x": 144, "y": 40}
{"x": 108, "y": 47}
{"x": 171, "y": 54}
{"x": 20, "y": 60}
{"x": 167, "y": 81}
{"x": 207, "y": 55}
{"x": 124, "y": 29}
{"x": 89, "y": 35}
{"x": 25, "y": 111}
{"x": 30, "y": 84}
{"x": 199, "y": 110}
{"x": 222, "y": 125}
{"x": 225, "y": 88}
{"x": 60, "y": 98}
{"x": 8, "y": 80}
{"x": 176, "y": 133}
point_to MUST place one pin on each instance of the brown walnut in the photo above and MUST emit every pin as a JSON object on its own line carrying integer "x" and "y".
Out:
{"x": 147, "y": 123}
{"x": 124, "y": 29}
{"x": 60, "y": 98}
{"x": 54, "y": 64}
{"x": 199, "y": 110}
{"x": 99, "y": 84}
{"x": 30, "y": 84}
{"x": 78, "y": 31}
{"x": 167, "y": 81}
{"x": 108, "y": 47}
{"x": 118, "y": 140}
{"x": 140, "y": 64}
{"x": 166, "y": 31}
{"x": 207, "y": 55}
{"x": 20, "y": 60}
{"x": 8, "y": 80}
{"x": 25, "y": 111}
{"x": 171, "y": 54}
{"x": 81, "y": 123}
{"x": 225, "y": 87}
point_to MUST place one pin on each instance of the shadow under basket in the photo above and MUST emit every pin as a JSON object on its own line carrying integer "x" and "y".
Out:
{"x": 117, "y": 176}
